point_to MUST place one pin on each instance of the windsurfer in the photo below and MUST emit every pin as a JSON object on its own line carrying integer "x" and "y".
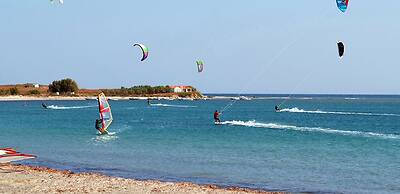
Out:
{"x": 105, "y": 120}
{"x": 99, "y": 124}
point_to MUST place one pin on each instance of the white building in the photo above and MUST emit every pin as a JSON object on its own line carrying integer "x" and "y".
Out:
{"x": 180, "y": 89}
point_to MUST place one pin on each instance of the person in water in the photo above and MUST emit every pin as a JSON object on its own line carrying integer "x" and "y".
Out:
{"x": 44, "y": 105}
{"x": 99, "y": 124}
{"x": 277, "y": 108}
{"x": 216, "y": 117}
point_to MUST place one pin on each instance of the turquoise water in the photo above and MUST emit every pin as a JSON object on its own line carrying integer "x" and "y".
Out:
{"x": 320, "y": 144}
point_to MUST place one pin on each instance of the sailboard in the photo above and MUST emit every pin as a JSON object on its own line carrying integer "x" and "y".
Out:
{"x": 105, "y": 113}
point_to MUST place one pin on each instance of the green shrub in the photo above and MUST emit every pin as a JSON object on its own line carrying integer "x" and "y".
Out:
{"x": 138, "y": 90}
{"x": 4, "y": 92}
{"x": 34, "y": 92}
{"x": 14, "y": 91}
{"x": 185, "y": 94}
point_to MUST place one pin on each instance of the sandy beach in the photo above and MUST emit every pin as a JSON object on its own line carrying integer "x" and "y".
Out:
{"x": 26, "y": 179}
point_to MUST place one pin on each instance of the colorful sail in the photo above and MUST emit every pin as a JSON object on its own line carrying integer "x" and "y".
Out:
{"x": 144, "y": 49}
{"x": 15, "y": 157}
{"x": 342, "y": 5}
{"x": 200, "y": 66}
{"x": 105, "y": 113}
{"x": 5, "y": 151}
{"x": 10, "y": 155}
{"x": 341, "y": 49}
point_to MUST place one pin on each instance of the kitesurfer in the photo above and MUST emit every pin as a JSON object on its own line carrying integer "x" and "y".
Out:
{"x": 148, "y": 101}
{"x": 216, "y": 117}
{"x": 44, "y": 105}
{"x": 277, "y": 108}
{"x": 99, "y": 124}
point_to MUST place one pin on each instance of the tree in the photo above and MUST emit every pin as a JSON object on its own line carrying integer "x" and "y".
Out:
{"x": 63, "y": 86}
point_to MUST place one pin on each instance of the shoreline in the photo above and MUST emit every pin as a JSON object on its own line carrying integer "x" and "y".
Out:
{"x": 208, "y": 97}
{"x": 82, "y": 98}
{"x": 16, "y": 178}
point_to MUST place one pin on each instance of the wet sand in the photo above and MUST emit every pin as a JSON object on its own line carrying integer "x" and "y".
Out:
{"x": 27, "y": 179}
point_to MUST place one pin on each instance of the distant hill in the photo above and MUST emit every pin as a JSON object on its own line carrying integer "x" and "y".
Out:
{"x": 24, "y": 89}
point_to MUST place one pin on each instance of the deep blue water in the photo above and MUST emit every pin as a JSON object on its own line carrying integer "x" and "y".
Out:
{"x": 321, "y": 144}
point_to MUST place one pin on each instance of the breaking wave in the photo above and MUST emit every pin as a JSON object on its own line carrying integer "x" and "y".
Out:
{"x": 297, "y": 110}
{"x": 55, "y": 107}
{"x": 310, "y": 129}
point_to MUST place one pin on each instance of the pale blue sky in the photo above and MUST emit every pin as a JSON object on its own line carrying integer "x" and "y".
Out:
{"x": 248, "y": 46}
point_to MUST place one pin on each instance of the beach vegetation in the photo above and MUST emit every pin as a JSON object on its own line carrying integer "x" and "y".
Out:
{"x": 34, "y": 92}
{"x": 141, "y": 90}
{"x": 194, "y": 94}
{"x": 4, "y": 92}
{"x": 64, "y": 86}
{"x": 14, "y": 91}
{"x": 185, "y": 94}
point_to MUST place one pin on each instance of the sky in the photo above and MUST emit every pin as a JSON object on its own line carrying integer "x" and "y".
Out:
{"x": 248, "y": 46}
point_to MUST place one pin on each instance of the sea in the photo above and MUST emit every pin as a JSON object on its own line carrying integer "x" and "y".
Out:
{"x": 315, "y": 144}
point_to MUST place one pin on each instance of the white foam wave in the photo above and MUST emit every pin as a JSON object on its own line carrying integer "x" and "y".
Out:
{"x": 284, "y": 98}
{"x": 273, "y": 98}
{"x": 351, "y": 98}
{"x": 297, "y": 110}
{"x": 55, "y": 107}
{"x": 305, "y": 98}
{"x": 105, "y": 138}
{"x": 172, "y": 105}
{"x": 309, "y": 129}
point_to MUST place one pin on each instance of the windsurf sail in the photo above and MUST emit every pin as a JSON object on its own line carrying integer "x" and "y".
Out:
{"x": 5, "y": 151}
{"x": 105, "y": 113}
{"x": 200, "y": 66}
{"x": 11, "y": 155}
{"x": 144, "y": 49}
